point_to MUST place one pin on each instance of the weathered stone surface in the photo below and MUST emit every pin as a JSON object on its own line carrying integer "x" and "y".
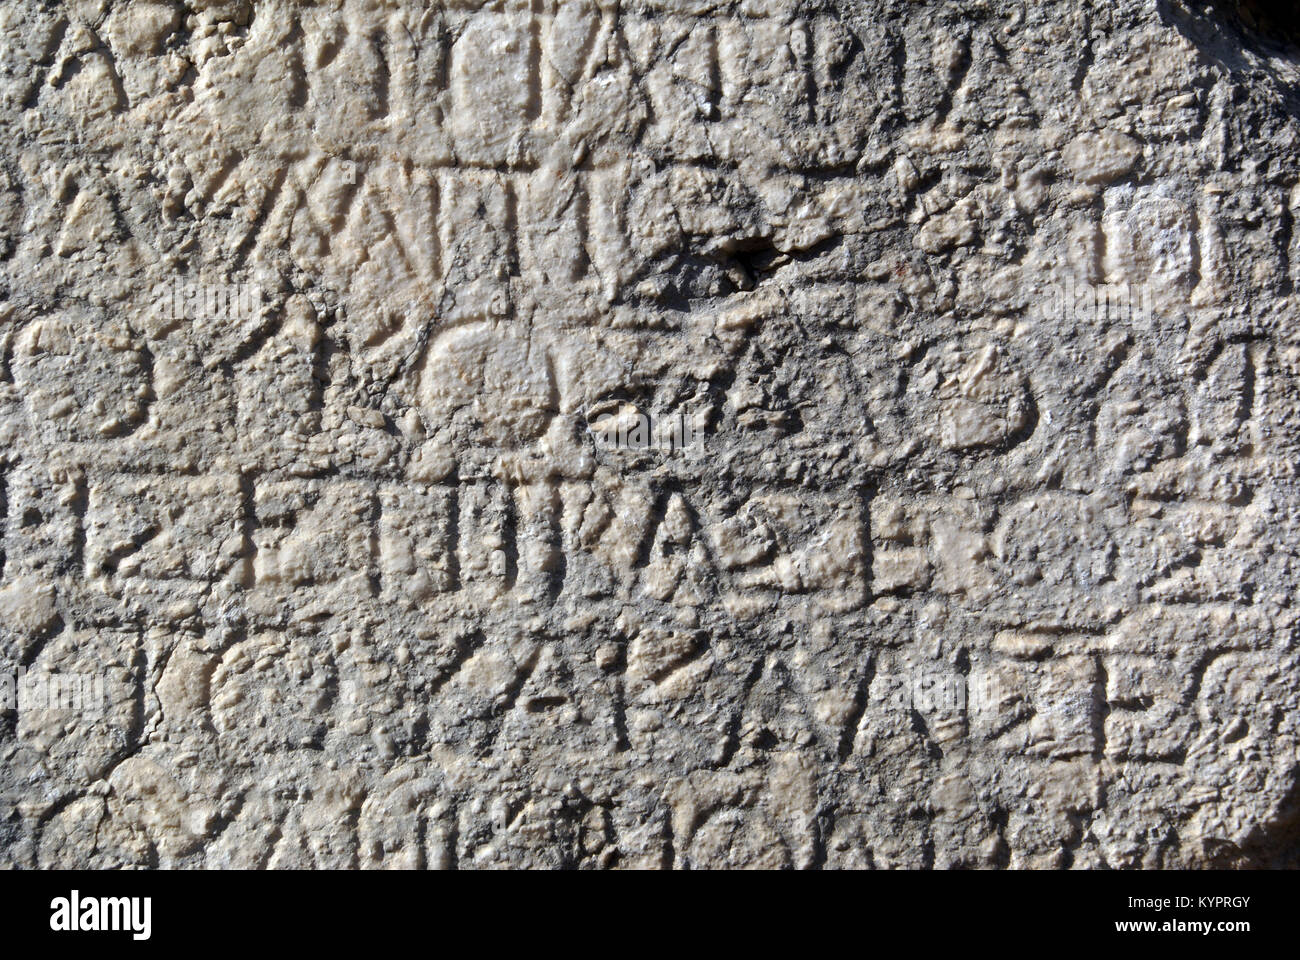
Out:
{"x": 856, "y": 433}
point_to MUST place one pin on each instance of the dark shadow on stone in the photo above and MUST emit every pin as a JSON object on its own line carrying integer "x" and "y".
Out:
{"x": 1277, "y": 844}
{"x": 1272, "y": 845}
{"x": 1258, "y": 41}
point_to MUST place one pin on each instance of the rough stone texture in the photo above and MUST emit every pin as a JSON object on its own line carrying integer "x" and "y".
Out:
{"x": 362, "y": 587}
